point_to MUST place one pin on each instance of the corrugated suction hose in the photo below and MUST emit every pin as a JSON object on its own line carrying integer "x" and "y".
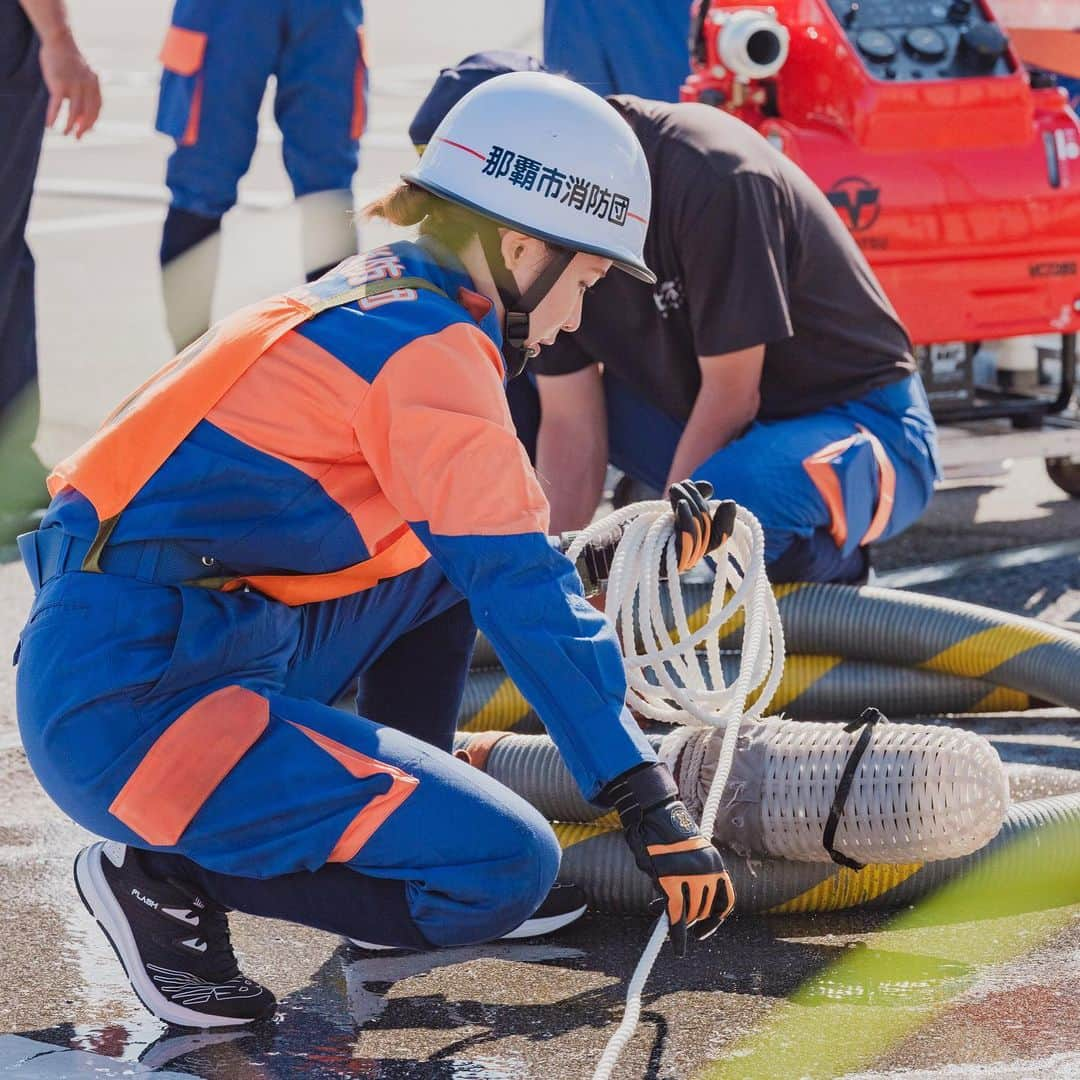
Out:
{"x": 847, "y": 645}
{"x": 596, "y": 857}
{"x": 1039, "y": 867}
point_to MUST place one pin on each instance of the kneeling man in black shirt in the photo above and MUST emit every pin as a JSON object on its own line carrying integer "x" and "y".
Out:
{"x": 766, "y": 359}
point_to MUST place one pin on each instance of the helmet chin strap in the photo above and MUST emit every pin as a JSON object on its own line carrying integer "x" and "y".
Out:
{"x": 518, "y": 306}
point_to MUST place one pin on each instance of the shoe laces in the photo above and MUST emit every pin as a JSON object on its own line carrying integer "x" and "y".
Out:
{"x": 213, "y": 931}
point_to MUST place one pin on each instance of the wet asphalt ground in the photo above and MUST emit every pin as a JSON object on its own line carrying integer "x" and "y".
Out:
{"x": 856, "y": 995}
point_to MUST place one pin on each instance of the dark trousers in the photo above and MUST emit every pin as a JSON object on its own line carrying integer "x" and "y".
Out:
{"x": 23, "y": 98}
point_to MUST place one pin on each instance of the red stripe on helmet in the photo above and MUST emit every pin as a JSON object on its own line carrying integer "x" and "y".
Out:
{"x": 467, "y": 149}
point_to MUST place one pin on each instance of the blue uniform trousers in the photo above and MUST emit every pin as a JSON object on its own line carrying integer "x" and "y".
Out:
{"x": 764, "y": 470}
{"x": 23, "y": 98}
{"x": 109, "y": 665}
{"x": 620, "y": 46}
{"x": 213, "y": 84}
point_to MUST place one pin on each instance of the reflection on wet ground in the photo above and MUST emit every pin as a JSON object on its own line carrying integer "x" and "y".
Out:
{"x": 546, "y": 1009}
{"x": 435, "y": 1015}
{"x": 516, "y": 1010}
{"x": 315, "y": 1032}
{"x": 902, "y": 979}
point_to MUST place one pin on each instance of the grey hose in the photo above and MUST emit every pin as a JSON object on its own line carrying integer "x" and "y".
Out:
{"x": 596, "y": 857}
{"x": 1038, "y": 867}
{"x": 532, "y": 767}
{"x": 912, "y": 630}
{"x": 907, "y": 630}
{"x": 813, "y": 687}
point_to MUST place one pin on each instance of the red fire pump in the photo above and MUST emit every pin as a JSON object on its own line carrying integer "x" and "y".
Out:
{"x": 956, "y": 169}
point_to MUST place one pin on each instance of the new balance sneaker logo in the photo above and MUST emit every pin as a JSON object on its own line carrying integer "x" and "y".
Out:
{"x": 144, "y": 899}
{"x": 188, "y": 989}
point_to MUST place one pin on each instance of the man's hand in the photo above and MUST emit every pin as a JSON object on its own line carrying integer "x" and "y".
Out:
{"x": 667, "y": 846}
{"x": 69, "y": 78}
{"x": 697, "y": 532}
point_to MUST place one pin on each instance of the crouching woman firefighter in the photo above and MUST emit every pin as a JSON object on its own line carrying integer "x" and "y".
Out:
{"x": 326, "y": 488}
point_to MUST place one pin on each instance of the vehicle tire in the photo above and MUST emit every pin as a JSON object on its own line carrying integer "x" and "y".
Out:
{"x": 1065, "y": 472}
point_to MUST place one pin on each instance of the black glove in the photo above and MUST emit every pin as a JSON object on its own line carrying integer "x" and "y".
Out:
{"x": 667, "y": 846}
{"x": 594, "y": 563}
{"x": 697, "y": 532}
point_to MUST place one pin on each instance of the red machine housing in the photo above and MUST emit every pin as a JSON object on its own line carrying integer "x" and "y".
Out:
{"x": 964, "y": 193}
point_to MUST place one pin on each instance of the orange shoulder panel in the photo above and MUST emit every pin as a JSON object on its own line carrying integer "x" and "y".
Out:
{"x": 141, "y": 433}
{"x": 437, "y": 432}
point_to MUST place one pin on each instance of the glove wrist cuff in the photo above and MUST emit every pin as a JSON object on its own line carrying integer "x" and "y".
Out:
{"x": 639, "y": 790}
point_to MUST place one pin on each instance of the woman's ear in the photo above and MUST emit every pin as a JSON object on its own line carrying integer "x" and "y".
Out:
{"x": 522, "y": 253}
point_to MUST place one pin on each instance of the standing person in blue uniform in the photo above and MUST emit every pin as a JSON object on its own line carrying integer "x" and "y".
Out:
{"x": 41, "y": 67}
{"x": 327, "y": 487}
{"x": 217, "y": 58}
{"x": 766, "y": 360}
{"x": 620, "y": 46}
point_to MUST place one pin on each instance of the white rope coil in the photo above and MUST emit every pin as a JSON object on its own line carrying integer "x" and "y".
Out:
{"x": 683, "y": 689}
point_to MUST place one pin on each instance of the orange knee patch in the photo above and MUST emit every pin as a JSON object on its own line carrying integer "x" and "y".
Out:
{"x": 188, "y": 761}
{"x": 363, "y": 826}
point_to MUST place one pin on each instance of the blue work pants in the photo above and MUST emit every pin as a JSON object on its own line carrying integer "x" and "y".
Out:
{"x": 620, "y": 46}
{"x": 217, "y": 60}
{"x": 227, "y": 696}
{"x": 764, "y": 469}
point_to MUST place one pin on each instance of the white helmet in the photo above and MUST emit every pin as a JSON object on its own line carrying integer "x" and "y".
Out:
{"x": 541, "y": 154}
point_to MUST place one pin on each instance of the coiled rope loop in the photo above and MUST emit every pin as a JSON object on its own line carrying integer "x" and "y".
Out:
{"x": 676, "y": 675}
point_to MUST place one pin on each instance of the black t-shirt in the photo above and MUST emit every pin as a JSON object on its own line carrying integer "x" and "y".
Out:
{"x": 747, "y": 251}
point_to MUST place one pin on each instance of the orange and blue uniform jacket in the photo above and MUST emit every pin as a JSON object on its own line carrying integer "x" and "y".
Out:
{"x": 310, "y": 485}
{"x": 359, "y": 443}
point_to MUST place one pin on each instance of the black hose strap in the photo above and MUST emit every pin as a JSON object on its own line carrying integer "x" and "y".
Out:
{"x": 869, "y": 717}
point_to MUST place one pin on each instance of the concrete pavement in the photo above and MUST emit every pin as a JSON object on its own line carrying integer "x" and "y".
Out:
{"x": 995, "y": 999}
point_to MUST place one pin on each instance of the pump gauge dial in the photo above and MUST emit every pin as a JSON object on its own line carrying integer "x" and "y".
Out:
{"x": 876, "y": 45}
{"x": 926, "y": 43}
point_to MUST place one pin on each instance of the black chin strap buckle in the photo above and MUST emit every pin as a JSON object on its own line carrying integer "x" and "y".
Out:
{"x": 515, "y": 334}
{"x": 517, "y": 329}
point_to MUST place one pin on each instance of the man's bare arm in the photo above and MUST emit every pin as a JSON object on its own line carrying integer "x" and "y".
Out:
{"x": 571, "y": 449}
{"x": 727, "y": 402}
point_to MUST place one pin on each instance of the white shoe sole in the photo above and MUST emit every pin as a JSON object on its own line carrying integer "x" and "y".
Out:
{"x": 538, "y": 927}
{"x": 98, "y": 897}
{"x": 530, "y": 928}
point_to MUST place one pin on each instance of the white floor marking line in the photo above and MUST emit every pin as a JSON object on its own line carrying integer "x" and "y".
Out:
{"x": 131, "y": 191}
{"x": 92, "y": 222}
{"x": 390, "y": 134}
{"x": 126, "y": 218}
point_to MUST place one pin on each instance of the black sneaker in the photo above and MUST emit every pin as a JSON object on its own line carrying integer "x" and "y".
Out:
{"x": 174, "y": 944}
{"x": 564, "y": 904}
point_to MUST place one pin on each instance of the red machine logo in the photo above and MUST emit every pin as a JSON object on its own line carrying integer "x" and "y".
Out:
{"x": 857, "y": 200}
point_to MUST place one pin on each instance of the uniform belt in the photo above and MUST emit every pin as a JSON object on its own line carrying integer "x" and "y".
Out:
{"x": 50, "y": 552}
